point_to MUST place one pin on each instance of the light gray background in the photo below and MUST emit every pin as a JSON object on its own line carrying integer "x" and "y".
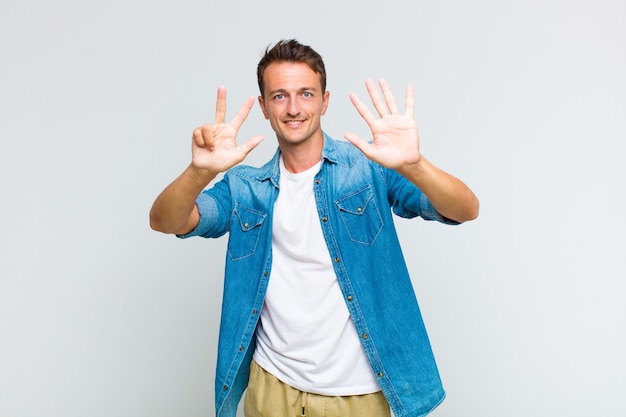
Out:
{"x": 525, "y": 101}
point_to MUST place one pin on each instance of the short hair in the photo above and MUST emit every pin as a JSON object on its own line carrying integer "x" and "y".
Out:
{"x": 290, "y": 50}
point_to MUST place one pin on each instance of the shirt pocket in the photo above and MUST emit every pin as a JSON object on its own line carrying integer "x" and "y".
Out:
{"x": 360, "y": 215}
{"x": 245, "y": 229}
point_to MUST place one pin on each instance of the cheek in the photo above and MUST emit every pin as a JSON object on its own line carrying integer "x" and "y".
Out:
{"x": 272, "y": 112}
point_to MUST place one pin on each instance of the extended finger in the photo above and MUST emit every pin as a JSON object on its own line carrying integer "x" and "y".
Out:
{"x": 220, "y": 108}
{"x": 377, "y": 100}
{"x": 389, "y": 99}
{"x": 242, "y": 114}
{"x": 410, "y": 101}
{"x": 365, "y": 113}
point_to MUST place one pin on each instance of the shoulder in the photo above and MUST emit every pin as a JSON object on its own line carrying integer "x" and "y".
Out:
{"x": 243, "y": 171}
{"x": 343, "y": 152}
{"x": 251, "y": 173}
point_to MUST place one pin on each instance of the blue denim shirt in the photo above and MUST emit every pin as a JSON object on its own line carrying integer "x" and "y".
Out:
{"x": 355, "y": 198}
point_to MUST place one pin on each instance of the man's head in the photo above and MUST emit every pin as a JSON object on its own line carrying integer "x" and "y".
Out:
{"x": 293, "y": 96}
{"x": 294, "y": 52}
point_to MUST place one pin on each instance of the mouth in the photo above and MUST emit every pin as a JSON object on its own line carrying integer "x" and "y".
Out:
{"x": 294, "y": 123}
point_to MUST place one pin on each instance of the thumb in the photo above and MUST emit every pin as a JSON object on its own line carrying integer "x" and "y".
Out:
{"x": 357, "y": 141}
{"x": 253, "y": 142}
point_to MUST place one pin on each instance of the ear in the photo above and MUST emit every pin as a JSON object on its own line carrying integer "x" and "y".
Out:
{"x": 325, "y": 102}
{"x": 262, "y": 105}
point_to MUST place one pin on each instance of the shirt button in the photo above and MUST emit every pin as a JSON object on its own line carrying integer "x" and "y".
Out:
{"x": 225, "y": 387}
{"x": 246, "y": 224}
{"x": 349, "y": 298}
{"x": 318, "y": 182}
{"x": 359, "y": 209}
{"x": 336, "y": 260}
{"x": 364, "y": 335}
{"x": 254, "y": 311}
{"x": 324, "y": 219}
{"x": 380, "y": 374}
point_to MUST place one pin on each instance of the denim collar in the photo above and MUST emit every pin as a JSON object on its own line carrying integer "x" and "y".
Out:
{"x": 271, "y": 170}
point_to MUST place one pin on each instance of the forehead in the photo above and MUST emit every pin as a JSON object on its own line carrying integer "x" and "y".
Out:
{"x": 290, "y": 76}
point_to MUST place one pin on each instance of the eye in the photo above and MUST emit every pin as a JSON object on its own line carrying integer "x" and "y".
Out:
{"x": 279, "y": 96}
{"x": 307, "y": 94}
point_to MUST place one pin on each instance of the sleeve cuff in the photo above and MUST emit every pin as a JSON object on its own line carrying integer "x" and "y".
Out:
{"x": 207, "y": 210}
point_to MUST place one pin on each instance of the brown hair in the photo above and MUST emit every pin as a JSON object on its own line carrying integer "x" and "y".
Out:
{"x": 291, "y": 51}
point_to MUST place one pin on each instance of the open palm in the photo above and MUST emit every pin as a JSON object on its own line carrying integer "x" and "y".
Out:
{"x": 395, "y": 140}
{"x": 214, "y": 146}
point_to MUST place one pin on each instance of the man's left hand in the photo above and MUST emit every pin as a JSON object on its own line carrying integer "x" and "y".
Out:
{"x": 395, "y": 141}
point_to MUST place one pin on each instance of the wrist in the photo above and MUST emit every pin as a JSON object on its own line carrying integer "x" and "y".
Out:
{"x": 201, "y": 176}
{"x": 413, "y": 169}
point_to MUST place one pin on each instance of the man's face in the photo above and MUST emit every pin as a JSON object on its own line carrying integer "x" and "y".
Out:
{"x": 293, "y": 102}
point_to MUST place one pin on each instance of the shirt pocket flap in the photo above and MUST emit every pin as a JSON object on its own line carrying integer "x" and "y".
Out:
{"x": 357, "y": 202}
{"x": 248, "y": 218}
{"x": 360, "y": 215}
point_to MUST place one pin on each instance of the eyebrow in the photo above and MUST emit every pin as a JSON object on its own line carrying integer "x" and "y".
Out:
{"x": 284, "y": 91}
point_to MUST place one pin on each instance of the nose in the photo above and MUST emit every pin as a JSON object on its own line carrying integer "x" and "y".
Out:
{"x": 292, "y": 108}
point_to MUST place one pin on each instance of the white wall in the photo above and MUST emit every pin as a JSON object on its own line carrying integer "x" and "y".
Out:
{"x": 525, "y": 101}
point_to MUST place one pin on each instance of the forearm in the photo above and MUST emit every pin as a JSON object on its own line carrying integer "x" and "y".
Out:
{"x": 174, "y": 210}
{"x": 449, "y": 195}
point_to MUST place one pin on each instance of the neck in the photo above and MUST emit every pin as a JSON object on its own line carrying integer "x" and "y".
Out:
{"x": 300, "y": 157}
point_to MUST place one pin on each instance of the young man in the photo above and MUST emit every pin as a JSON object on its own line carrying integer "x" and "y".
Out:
{"x": 319, "y": 314}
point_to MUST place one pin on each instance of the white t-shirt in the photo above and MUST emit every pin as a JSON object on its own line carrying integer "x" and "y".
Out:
{"x": 306, "y": 337}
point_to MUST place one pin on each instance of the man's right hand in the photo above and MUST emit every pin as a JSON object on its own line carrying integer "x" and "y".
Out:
{"x": 214, "y": 150}
{"x": 214, "y": 146}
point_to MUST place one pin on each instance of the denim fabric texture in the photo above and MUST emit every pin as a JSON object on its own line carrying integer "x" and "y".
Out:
{"x": 356, "y": 199}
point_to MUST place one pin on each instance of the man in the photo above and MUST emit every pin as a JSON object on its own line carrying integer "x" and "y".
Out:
{"x": 319, "y": 316}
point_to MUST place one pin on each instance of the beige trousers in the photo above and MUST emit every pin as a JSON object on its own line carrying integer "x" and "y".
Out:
{"x": 268, "y": 397}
